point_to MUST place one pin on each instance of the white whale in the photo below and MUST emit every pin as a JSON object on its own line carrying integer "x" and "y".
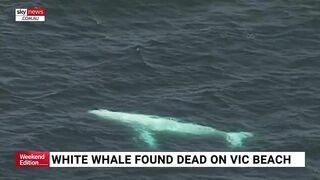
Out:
{"x": 146, "y": 125}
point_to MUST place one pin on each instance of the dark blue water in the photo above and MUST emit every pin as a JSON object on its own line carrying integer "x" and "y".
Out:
{"x": 233, "y": 65}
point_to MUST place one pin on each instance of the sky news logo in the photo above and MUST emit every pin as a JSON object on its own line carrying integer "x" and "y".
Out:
{"x": 31, "y": 14}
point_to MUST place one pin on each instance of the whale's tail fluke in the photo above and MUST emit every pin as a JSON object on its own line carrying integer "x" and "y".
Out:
{"x": 236, "y": 138}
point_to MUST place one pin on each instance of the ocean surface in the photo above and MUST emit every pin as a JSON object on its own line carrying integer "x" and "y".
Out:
{"x": 234, "y": 65}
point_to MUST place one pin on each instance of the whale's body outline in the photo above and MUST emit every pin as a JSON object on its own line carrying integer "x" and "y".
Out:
{"x": 146, "y": 125}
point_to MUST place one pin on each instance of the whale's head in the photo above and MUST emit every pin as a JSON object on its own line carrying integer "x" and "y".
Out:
{"x": 106, "y": 114}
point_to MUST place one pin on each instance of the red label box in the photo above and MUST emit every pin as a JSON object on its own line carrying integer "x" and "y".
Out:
{"x": 36, "y": 11}
{"x": 32, "y": 159}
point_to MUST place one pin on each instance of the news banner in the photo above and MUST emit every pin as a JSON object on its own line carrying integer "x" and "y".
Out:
{"x": 159, "y": 159}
